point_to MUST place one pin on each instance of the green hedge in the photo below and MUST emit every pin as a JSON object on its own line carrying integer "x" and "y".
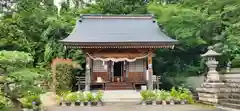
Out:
{"x": 236, "y": 63}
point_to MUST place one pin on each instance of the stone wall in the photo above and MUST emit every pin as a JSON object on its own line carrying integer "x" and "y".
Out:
{"x": 226, "y": 93}
{"x": 231, "y": 96}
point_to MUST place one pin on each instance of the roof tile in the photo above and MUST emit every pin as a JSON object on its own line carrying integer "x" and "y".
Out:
{"x": 117, "y": 28}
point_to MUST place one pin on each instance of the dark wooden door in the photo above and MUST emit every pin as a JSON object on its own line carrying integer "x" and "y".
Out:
{"x": 117, "y": 70}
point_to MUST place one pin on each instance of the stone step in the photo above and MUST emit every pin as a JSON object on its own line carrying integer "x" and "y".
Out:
{"x": 233, "y": 85}
{"x": 234, "y": 101}
{"x": 225, "y": 95}
{"x": 118, "y": 85}
{"x": 230, "y": 105}
{"x": 117, "y": 88}
{"x": 230, "y": 95}
{"x": 121, "y": 96}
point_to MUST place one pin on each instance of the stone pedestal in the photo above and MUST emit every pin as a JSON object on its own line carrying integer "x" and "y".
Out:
{"x": 210, "y": 93}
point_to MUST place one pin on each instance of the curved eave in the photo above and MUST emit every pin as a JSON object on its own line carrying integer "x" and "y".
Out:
{"x": 120, "y": 45}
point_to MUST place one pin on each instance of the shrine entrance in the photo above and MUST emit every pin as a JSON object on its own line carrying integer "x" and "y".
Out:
{"x": 132, "y": 40}
{"x": 118, "y": 72}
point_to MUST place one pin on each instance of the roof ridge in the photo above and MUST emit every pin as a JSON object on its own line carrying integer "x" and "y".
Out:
{"x": 122, "y": 16}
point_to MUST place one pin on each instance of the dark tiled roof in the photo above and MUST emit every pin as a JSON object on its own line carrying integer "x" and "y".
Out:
{"x": 117, "y": 29}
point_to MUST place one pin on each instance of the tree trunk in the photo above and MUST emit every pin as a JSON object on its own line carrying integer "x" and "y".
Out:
{"x": 13, "y": 98}
{"x": 17, "y": 104}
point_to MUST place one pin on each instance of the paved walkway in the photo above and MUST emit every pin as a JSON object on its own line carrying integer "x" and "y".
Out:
{"x": 125, "y": 107}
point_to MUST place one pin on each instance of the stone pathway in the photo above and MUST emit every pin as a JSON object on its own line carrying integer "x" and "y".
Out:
{"x": 128, "y": 107}
{"x": 122, "y": 96}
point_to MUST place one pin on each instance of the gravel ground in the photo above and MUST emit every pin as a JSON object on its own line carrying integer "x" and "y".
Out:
{"x": 127, "y": 107}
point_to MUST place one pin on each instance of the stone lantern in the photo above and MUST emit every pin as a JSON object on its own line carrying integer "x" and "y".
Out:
{"x": 210, "y": 55}
{"x": 209, "y": 91}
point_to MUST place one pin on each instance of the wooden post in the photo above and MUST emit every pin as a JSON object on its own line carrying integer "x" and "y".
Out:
{"x": 88, "y": 74}
{"x": 126, "y": 70}
{"x": 112, "y": 71}
{"x": 109, "y": 70}
{"x": 150, "y": 72}
{"x": 144, "y": 68}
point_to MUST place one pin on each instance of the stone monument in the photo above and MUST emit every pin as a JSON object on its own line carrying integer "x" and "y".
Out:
{"x": 209, "y": 91}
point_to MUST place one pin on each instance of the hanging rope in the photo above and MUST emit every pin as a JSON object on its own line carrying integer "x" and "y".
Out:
{"x": 117, "y": 59}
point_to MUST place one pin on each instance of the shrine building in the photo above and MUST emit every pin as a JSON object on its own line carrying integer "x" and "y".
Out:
{"x": 118, "y": 48}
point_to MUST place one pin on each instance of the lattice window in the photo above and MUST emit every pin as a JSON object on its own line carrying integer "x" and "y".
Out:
{"x": 98, "y": 66}
{"x": 136, "y": 66}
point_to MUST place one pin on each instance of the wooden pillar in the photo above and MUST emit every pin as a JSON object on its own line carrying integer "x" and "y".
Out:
{"x": 124, "y": 71}
{"x": 109, "y": 71}
{"x": 112, "y": 71}
{"x": 127, "y": 71}
{"x": 88, "y": 74}
{"x": 150, "y": 72}
{"x": 144, "y": 68}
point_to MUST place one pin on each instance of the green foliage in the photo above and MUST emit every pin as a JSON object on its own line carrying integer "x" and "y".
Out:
{"x": 89, "y": 96}
{"x": 36, "y": 29}
{"x": 80, "y": 96}
{"x": 99, "y": 95}
{"x": 196, "y": 24}
{"x": 144, "y": 95}
{"x": 174, "y": 93}
{"x": 71, "y": 97}
{"x": 152, "y": 95}
{"x": 148, "y": 95}
{"x": 163, "y": 95}
{"x": 21, "y": 78}
{"x": 64, "y": 76}
{"x": 14, "y": 59}
{"x": 159, "y": 95}
{"x": 64, "y": 96}
{"x": 236, "y": 62}
{"x": 23, "y": 81}
{"x": 185, "y": 94}
{"x": 4, "y": 103}
{"x": 117, "y": 7}
{"x": 30, "y": 101}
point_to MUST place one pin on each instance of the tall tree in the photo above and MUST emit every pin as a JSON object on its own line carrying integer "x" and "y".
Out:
{"x": 16, "y": 77}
